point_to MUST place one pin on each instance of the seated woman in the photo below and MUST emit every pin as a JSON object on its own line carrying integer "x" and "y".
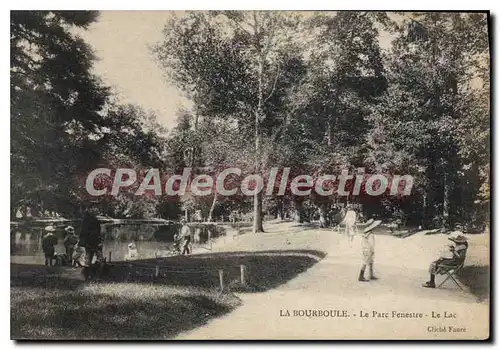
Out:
{"x": 458, "y": 251}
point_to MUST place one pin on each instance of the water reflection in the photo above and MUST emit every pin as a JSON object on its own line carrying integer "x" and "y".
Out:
{"x": 149, "y": 238}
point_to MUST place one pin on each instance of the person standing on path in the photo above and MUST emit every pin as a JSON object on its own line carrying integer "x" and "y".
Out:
{"x": 368, "y": 250}
{"x": 90, "y": 236}
{"x": 350, "y": 222}
{"x": 49, "y": 241}
{"x": 185, "y": 237}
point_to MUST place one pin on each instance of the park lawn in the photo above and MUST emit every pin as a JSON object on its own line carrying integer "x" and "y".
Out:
{"x": 112, "y": 311}
{"x": 55, "y": 303}
{"x": 48, "y": 306}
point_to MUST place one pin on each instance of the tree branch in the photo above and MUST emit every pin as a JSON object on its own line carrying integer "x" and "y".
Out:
{"x": 239, "y": 25}
{"x": 274, "y": 84}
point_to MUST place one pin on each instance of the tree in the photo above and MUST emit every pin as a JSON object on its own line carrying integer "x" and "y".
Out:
{"x": 55, "y": 107}
{"x": 64, "y": 120}
{"x": 318, "y": 94}
{"x": 419, "y": 123}
{"x": 344, "y": 76}
{"x": 229, "y": 64}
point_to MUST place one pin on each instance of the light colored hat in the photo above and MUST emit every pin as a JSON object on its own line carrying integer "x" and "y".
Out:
{"x": 50, "y": 228}
{"x": 373, "y": 225}
{"x": 70, "y": 229}
{"x": 458, "y": 239}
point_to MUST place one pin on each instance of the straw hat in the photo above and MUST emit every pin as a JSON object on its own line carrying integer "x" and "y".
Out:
{"x": 373, "y": 225}
{"x": 50, "y": 228}
{"x": 70, "y": 229}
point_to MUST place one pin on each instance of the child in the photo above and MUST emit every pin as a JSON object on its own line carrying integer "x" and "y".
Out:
{"x": 368, "y": 248}
{"x": 177, "y": 243}
{"x": 132, "y": 254}
{"x": 70, "y": 241}
{"x": 78, "y": 252}
{"x": 49, "y": 241}
{"x": 62, "y": 259}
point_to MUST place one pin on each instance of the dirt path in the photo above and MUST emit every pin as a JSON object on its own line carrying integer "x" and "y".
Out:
{"x": 331, "y": 284}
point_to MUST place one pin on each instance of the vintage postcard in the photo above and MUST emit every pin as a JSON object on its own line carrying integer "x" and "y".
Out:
{"x": 269, "y": 175}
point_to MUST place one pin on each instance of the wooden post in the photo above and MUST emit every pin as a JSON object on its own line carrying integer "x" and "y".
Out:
{"x": 157, "y": 271}
{"x": 243, "y": 276}
{"x": 109, "y": 256}
{"x": 221, "y": 279}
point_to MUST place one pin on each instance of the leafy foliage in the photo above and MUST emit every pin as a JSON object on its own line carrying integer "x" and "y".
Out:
{"x": 316, "y": 92}
{"x": 64, "y": 122}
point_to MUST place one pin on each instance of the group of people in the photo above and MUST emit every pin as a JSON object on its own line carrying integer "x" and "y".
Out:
{"x": 453, "y": 256}
{"x": 73, "y": 250}
{"x": 88, "y": 243}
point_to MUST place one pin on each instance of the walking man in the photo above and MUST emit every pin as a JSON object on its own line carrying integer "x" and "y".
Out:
{"x": 49, "y": 241}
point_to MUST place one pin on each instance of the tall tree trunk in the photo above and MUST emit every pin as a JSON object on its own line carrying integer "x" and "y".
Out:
{"x": 323, "y": 220}
{"x": 257, "y": 198}
{"x": 446, "y": 198}
{"x": 210, "y": 213}
{"x": 328, "y": 133}
{"x": 298, "y": 211}
{"x": 424, "y": 221}
{"x": 195, "y": 147}
{"x": 281, "y": 209}
{"x": 257, "y": 208}
{"x": 192, "y": 160}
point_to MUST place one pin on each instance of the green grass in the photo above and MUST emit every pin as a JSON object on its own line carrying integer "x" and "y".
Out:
{"x": 56, "y": 303}
{"x": 112, "y": 311}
